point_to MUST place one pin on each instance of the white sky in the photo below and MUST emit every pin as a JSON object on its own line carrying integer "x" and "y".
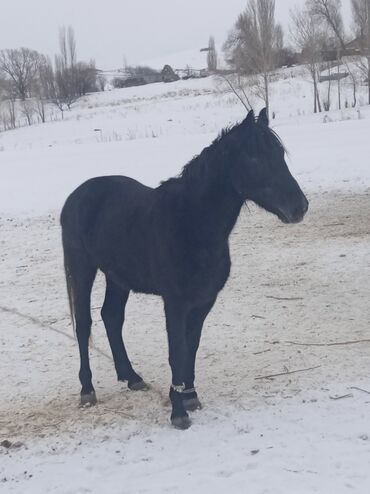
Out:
{"x": 107, "y": 30}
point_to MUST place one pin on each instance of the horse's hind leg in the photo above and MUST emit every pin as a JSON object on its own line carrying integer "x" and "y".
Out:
{"x": 80, "y": 277}
{"x": 113, "y": 315}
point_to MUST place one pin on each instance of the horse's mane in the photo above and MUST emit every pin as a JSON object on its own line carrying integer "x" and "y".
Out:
{"x": 209, "y": 162}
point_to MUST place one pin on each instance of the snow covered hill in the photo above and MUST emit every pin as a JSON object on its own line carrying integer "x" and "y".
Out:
{"x": 150, "y": 132}
{"x": 297, "y": 300}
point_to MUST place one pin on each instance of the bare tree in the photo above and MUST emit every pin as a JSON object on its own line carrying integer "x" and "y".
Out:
{"x": 308, "y": 35}
{"x": 40, "y": 109}
{"x": 212, "y": 55}
{"x": 361, "y": 28}
{"x": 66, "y": 87}
{"x": 9, "y": 95}
{"x": 28, "y": 110}
{"x": 51, "y": 86}
{"x": 65, "y": 93}
{"x": 67, "y": 46}
{"x": 329, "y": 11}
{"x": 27, "y": 74}
{"x": 72, "y": 78}
{"x": 235, "y": 85}
{"x": 43, "y": 90}
{"x": 368, "y": 45}
{"x": 85, "y": 77}
{"x": 20, "y": 66}
{"x": 11, "y": 114}
{"x": 252, "y": 45}
{"x": 101, "y": 81}
{"x": 63, "y": 47}
{"x": 3, "y": 84}
{"x": 359, "y": 16}
{"x": 71, "y": 41}
{"x": 279, "y": 45}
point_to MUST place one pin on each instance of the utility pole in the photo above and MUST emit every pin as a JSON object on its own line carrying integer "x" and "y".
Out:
{"x": 339, "y": 95}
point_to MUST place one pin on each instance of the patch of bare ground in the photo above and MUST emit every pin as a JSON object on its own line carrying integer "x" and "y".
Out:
{"x": 294, "y": 291}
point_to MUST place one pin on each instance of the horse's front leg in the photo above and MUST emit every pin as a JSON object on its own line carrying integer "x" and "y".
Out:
{"x": 194, "y": 324}
{"x": 177, "y": 347}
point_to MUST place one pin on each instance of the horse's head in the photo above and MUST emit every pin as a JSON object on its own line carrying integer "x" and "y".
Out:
{"x": 259, "y": 171}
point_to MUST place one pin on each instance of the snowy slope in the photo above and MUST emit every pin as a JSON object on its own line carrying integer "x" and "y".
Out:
{"x": 150, "y": 132}
{"x": 297, "y": 300}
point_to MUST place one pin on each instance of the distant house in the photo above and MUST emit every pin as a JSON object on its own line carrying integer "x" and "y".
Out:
{"x": 152, "y": 78}
{"x": 190, "y": 73}
{"x": 168, "y": 74}
{"x": 136, "y": 76}
{"x": 354, "y": 48}
{"x": 335, "y": 76}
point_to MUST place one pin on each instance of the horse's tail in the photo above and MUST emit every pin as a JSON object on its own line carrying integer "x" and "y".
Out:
{"x": 68, "y": 275}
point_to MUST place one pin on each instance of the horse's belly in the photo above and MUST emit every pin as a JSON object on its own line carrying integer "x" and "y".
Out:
{"x": 135, "y": 278}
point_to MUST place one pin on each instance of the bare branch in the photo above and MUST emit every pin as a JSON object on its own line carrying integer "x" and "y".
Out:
{"x": 287, "y": 373}
{"x": 231, "y": 86}
{"x": 339, "y": 343}
{"x": 253, "y": 44}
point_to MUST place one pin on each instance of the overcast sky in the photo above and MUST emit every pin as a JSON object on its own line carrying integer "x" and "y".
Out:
{"x": 108, "y": 30}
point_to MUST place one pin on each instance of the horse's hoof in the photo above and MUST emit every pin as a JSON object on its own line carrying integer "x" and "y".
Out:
{"x": 138, "y": 386}
{"x": 192, "y": 404}
{"x": 88, "y": 400}
{"x": 181, "y": 423}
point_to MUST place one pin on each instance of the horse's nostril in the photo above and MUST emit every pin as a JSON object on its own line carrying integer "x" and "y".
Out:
{"x": 303, "y": 206}
{"x": 300, "y": 210}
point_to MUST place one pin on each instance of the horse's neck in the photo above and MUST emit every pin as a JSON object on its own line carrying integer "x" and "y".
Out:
{"x": 221, "y": 213}
{"x": 214, "y": 210}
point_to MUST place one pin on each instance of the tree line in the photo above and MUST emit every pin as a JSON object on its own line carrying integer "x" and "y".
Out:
{"x": 318, "y": 39}
{"x": 29, "y": 80}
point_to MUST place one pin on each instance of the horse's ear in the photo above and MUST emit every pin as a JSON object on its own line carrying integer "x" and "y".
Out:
{"x": 250, "y": 119}
{"x": 263, "y": 117}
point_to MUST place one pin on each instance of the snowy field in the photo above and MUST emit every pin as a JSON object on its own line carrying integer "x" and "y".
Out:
{"x": 297, "y": 300}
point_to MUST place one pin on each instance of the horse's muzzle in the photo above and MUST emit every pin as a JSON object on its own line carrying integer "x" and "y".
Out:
{"x": 295, "y": 215}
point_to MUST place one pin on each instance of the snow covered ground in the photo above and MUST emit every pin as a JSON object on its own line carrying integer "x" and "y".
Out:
{"x": 297, "y": 300}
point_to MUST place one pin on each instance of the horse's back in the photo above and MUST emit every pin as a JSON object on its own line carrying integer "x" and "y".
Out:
{"x": 98, "y": 188}
{"x": 109, "y": 201}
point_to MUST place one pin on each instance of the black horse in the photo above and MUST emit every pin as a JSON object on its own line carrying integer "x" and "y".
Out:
{"x": 170, "y": 241}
